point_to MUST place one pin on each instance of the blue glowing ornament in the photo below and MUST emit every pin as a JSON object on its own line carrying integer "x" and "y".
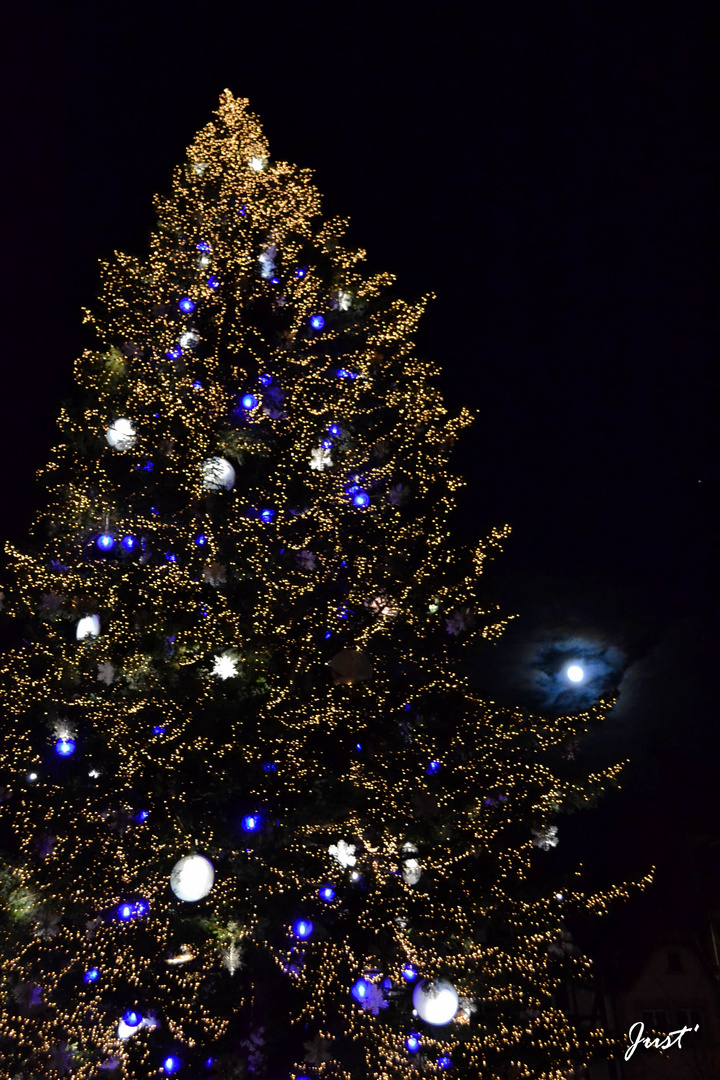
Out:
{"x": 132, "y": 1018}
{"x": 328, "y": 634}
{"x": 212, "y": 282}
{"x": 201, "y": 540}
{"x": 412, "y": 1043}
{"x": 343, "y": 373}
{"x": 171, "y": 1064}
{"x": 251, "y": 823}
{"x": 242, "y": 211}
{"x": 142, "y": 815}
{"x": 187, "y": 305}
{"x": 301, "y": 271}
{"x": 91, "y": 975}
{"x": 317, "y": 322}
{"x": 387, "y": 984}
{"x": 197, "y": 385}
{"x": 129, "y": 543}
{"x": 360, "y": 989}
{"x": 169, "y": 556}
{"x": 444, "y": 1062}
{"x": 249, "y": 402}
{"x": 433, "y": 767}
{"x": 358, "y": 747}
{"x": 142, "y": 907}
{"x": 265, "y": 380}
{"x": 335, "y": 431}
{"x": 327, "y": 893}
{"x": 303, "y": 928}
{"x": 159, "y": 730}
{"x": 267, "y": 515}
{"x": 203, "y": 246}
{"x": 125, "y": 912}
{"x": 270, "y": 766}
{"x": 154, "y": 510}
{"x": 65, "y": 747}
{"x": 105, "y": 542}
{"x": 409, "y": 973}
{"x": 209, "y": 1062}
{"x": 361, "y": 499}
{"x": 274, "y": 280}
{"x": 174, "y": 354}
{"x": 148, "y": 466}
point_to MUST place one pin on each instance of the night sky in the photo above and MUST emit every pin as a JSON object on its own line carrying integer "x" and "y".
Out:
{"x": 548, "y": 170}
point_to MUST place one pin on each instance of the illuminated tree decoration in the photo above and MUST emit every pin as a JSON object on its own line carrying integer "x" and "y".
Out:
{"x": 88, "y": 627}
{"x": 436, "y": 1002}
{"x": 252, "y": 495}
{"x": 192, "y": 878}
{"x": 121, "y": 434}
{"x": 65, "y": 747}
{"x": 218, "y": 474}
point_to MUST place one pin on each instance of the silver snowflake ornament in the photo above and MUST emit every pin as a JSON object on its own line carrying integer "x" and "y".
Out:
{"x": 320, "y": 459}
{"x": 546, "y": 837}
{"x": 343, "y": 853}
{"x": 106, "y": 672}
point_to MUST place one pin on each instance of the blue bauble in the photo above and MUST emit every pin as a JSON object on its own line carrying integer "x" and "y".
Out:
{"x": 187, "y": 305}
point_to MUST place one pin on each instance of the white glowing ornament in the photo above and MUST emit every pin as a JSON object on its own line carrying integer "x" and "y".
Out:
{"x": 575, "y": 673}
{"x": 343, "y": 853}
{"x": 124, "y": 1031}
{"x": 257, "y": 164}
{"x": 192, "y": 878}
{"x": 320, "y": 459}
{"x": 436, "y": 1002}
{"x": 121, "y": 434}
{"x": 411, "y": 868}
{"x": 218, "y": 474}
{"x": 188, "y": 339}
{"x": 88, "y": 627}
{"x": 225, "y": 667}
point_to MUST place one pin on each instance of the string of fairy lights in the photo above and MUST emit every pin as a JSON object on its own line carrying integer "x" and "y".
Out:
{"x": 253, "y": 493}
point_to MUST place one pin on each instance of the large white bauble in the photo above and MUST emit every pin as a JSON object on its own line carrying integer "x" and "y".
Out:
{"x": 436, "y": 1002}
{"x": 218, "y": 474}
{"x": 121, "y": 434}
{"x": 88, "y": 627}
{"x": 192, "y": 878}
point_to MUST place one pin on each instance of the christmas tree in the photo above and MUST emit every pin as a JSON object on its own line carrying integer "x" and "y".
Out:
{"x": 254, "y": 823}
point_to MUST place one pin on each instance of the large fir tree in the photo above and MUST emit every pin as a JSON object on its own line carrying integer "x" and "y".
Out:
{"x": 241, "y": 619}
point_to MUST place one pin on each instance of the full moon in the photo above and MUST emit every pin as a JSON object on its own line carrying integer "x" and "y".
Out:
{"x": 575, "y": 673}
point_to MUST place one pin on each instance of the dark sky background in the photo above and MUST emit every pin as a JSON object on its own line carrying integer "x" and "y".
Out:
{"x": 549, "y": 171}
